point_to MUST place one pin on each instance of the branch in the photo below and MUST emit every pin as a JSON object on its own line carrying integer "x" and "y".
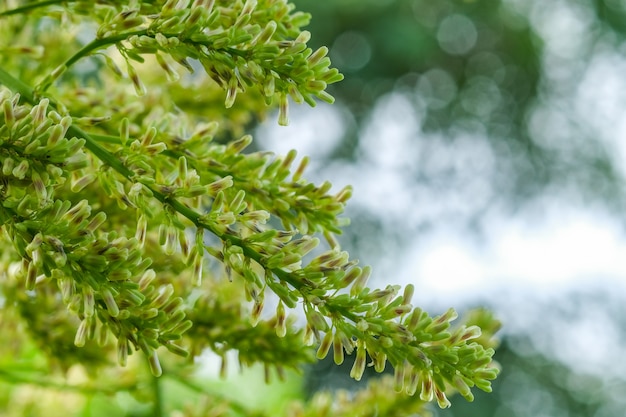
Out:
{"x": 31, "y": 6}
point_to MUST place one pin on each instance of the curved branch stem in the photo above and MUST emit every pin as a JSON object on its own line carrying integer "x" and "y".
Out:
{"x": 100, "y": 44}
{"x": 44, "y": 382}
{"x": 31, "y": 6}
{"x": 158, "y": 410}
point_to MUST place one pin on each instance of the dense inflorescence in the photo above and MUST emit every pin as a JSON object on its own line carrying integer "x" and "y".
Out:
{"x": 112, "y": 199}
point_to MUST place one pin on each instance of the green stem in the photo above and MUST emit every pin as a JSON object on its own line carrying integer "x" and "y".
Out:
{"x": 17, "y": 86}
{"x": 100, "y": 44}
{"x": 41, "y": 381}
{"x": 30, "y": 6}
{"x": 158, "y": 397}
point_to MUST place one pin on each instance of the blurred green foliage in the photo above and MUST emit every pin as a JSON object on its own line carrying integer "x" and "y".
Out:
{"x": 509, "y": 73}
{"x": 485, "y": 68}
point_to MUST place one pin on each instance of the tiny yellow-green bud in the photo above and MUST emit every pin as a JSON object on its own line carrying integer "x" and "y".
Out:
{"x": 171, "y": 240}
{"x": 472, "y": 332}
{"x": 380, "y": 359}
{"x": 257, "y": 309}
{"x": 360, "y": 283}
{"x": 109, "y": 300}
{"x": 122, "y": 350}
{"x": 324, "y": 347}
{"x": 462, "y": 387}
{"x": 8, "y": 165}
{"x": 9, "y": 114}
{"x": 427, "y": 391}
{"x": 182, "y": 327}
{"x": 303, "y": 37}
{"x": 231, "y": 92}
{"x": 266, "y": 34}
{"x": 338, "y": 355}
{"x": 281, "y": 320}
{"x": 317, "y": 56}
{"x": 146, "y": 279}
{"x": 80, "y": 182}
{"x": 165, "y": 292}
{"x": 216, "y": 186}
{"x": 66, "y": 285}
{"x": 31, "y": 275}
{"x": 398, "y": 377}
{"x": 283, "y": 110}
{"x": 124, "y": 130}
{"x": 198, "y": 263}
{"x": 81, "y": 332}
{"x": 269, "y": 85}
{"x": 96, "y": 221}
{"x": 442, "y": 400}
{"x": 237, "y": 205}
{"x": 56, "y": 133}
{"x": 39, "y": 111}
{"x": 248, "y": 7}
{"x": 413, "y": 381}
{"x": 119, "y": 275}
{"x": 316, "y": 320}
{"x": 408, "y": 294}
{"x": 352, "y": 274}
{"x": 359, "y": 364}
{"x": 20, "y": 171}
{"x": 140, "y": 89}
{"x": 101, "y": 334}
{"x": 177, "y": 350}
{"x": 89, "y": 301}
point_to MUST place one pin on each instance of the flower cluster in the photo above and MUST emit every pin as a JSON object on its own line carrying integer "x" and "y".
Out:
{"x": 102, "y": 276}
{"x": 117, "y": 212}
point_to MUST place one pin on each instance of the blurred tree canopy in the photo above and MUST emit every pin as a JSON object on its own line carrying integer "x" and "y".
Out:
{"x": 527, "y": 80}
{"x": 506, "y": 71}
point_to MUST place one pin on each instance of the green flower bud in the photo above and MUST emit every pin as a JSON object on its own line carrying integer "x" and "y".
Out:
{"x": 380, "y": 360}
{"x": 281, "y": 320}
{"x": 398, "y": 377}
{"x": 80, "y": 182}
{"x": 283, "y": 110}
{"x": 31, "y": 275}
{"x": 462, "y": 387}
{"x": 360, "y": 282}
{"x": 231, "y": 92}
{"x": 9, "y": 115}
{"x": 177, "y": 350}
{"x": 20, "y": 171}
{"x": 81, "y": 332}
{"x": 89, "y": 301}
{"x": 140, "y": 89}
{"x": 165, "y": 292}
{"x": 359, "y": 364}
{"x": 7, "y": 166}
{"x": 338, "y": 356}
{"x": 324, "y": 347}
{"x": 317, "y": 56}
{"x": 146, "y": 279}
{"x": 427, "y": 391}
{"x": 442, "y": 400}
{"x": 102, "y": 334}
{"x": 182, "y": 327}
{"x": 109, "y": 300}
{"x": 413, "y": 381}
{"x": 122, "y": 350}
{"x": 316, "y": 320}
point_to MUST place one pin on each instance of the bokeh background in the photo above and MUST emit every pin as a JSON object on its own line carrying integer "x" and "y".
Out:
{"x": 486, "y": 142}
